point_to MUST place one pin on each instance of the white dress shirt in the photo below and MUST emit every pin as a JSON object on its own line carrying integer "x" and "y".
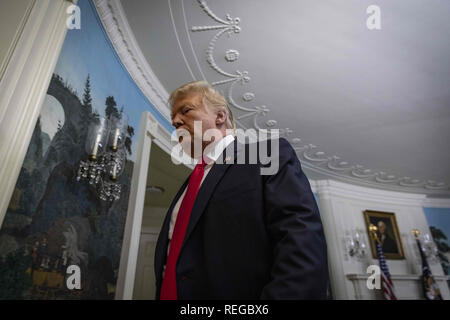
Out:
{"x": 212, "y": 153}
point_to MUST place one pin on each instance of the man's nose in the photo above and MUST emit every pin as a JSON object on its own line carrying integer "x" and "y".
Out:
{"x": 177, "y": 121}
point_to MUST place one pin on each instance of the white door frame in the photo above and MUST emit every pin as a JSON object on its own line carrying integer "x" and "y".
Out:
{"x": 150, "y": 131}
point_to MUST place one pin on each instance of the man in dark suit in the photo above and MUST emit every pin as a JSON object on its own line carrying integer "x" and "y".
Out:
{"x": 232, "y": 232}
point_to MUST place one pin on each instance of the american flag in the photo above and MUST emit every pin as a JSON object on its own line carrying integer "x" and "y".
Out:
{"x": 386, "y": 281}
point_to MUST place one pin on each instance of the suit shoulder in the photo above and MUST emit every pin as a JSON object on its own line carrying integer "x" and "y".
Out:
{"x": 285, "y": 149}
{"x": 285, "y": 144}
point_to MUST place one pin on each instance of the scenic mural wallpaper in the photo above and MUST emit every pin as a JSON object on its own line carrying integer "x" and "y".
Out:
{"x": 439, "y": 221}
{"x": 53, "y": 220}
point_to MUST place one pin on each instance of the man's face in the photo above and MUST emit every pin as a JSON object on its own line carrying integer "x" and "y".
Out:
{"x": 186, "y": 110}
{"x": 381, "y": 227}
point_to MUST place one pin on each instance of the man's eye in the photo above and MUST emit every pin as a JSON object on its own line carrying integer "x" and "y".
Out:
{"x": 186, "y": 110}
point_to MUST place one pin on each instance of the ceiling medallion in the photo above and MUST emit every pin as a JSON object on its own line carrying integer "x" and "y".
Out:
{"x": 231, "y": 55}
{"x": 271, "y": 123}
{"x": 248, "y": 96}
{"x": 315, "y": 159}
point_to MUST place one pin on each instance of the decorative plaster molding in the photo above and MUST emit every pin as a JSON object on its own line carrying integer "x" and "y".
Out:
{"x": 248, "y": 96}
{"x": 329, "y": 188}
{"x": 436, "y": 203}
{"x": 115, "y": 23}
{"x": 271, "y": 123}
{"x": 231, "y": 55}
{"x": 312, "y": 158}
{"x": 119, "y": 32}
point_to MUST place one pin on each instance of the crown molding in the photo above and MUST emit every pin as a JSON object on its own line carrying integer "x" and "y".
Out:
{"x": 437, "y": 203}
{"x": 116, "y": 25}
{"x": 330, "y": 188}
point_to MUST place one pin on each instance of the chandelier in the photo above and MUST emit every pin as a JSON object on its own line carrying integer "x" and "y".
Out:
{"x": 105, "y": 145}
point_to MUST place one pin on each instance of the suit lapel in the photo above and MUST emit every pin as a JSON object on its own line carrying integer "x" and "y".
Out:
{"x": 207, "y": 188}
{"x": 205, "y": 192}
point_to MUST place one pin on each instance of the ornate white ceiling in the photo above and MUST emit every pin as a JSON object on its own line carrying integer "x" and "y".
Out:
{"x": 369, "y": 107}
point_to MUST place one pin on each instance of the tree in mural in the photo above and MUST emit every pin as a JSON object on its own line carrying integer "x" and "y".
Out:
{"x": 87, "y": 99}
{"x": 51, "y": 157}
{"x": 112, "y": 111}
{"x": 441, "y": 242}
{"x": 443, "y": 249}
{"x": 111, "y": 108}
{"x": 37, "y": 139}
{"x": 15, "y": 277}
{"x": 86, "y": 111}
{"x": 95, "y": 115}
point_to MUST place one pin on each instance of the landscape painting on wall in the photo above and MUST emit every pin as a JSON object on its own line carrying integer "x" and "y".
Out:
{"x": 53, "y": 220}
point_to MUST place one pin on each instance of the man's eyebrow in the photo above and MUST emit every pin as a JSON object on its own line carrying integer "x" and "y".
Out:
{"x": 179, "y": 108}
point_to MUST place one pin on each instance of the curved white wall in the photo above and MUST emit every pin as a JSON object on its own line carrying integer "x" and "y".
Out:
{"x": 341, "y": 207}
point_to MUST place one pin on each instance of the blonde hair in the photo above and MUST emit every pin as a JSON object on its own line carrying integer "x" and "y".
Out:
{"x": 212, "y": 98}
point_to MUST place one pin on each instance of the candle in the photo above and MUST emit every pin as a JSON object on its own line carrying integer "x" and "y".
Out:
{"x": 116, "y": 138}
{"x": 114, "y": 172}
{"x": 97, "y": 141}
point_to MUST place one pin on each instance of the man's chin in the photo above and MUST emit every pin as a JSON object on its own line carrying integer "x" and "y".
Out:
{"x": 189, "y": 149}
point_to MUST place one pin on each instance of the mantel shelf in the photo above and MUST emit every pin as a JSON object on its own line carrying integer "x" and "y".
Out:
{"x": 356, "y": 276}
{"x": 407, "y": 286}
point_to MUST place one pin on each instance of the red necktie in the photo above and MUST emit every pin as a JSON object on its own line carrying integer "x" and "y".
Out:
{"x": 169, "y": 284}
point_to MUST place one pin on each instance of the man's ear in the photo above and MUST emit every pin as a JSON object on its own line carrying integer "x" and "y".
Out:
{"x": 221, "y": 117}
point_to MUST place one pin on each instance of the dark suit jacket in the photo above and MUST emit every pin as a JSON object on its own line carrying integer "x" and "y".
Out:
{"x": 389, "y": 245}
{"x": 250, "y": 236}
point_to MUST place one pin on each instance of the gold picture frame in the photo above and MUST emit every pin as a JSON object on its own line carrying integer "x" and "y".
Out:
{"x": 387, "y": 231}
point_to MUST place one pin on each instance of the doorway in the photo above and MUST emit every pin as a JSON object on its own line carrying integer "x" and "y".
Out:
{"x": 164, "y": 178}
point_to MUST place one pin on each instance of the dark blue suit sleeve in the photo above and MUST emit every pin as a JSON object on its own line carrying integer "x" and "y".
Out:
{"x": 300, "y": 269}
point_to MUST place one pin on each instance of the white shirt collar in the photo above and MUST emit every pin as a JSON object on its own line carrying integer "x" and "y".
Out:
{"x": 215, "y": 149}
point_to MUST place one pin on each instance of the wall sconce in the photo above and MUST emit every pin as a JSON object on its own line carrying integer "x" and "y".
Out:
{"x": 428, "y": 246}
{"x": 355, "y": 245}
{"x": 105, "y": 145}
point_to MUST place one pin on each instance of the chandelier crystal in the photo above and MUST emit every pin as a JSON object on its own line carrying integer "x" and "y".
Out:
{"x": 105, "y": 145}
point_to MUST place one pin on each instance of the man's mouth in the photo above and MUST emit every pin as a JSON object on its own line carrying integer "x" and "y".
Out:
{"x": 182, "y": 134}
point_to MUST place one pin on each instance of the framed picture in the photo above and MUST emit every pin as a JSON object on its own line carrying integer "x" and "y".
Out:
{"x": 387, "y": 232}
